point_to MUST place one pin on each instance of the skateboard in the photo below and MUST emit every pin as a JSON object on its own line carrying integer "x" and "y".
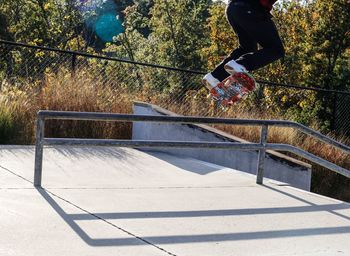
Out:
{"x": 233, "y": 89}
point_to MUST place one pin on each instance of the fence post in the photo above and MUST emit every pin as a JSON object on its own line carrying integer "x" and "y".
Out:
{"x": 39, "y": 147}
{"x": 262, "y": 154}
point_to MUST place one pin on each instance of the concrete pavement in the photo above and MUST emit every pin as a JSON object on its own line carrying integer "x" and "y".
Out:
{"x": 117, "y": 201}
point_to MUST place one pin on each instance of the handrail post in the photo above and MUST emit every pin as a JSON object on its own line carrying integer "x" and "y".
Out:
{"x": 262, "y": 154}
{"x": 40, "y": 129}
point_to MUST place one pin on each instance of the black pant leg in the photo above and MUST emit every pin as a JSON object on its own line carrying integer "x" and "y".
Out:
{"x": 247, "y": 44}
{"x": 261, "y": 27}
{"x": 252, "y": 26}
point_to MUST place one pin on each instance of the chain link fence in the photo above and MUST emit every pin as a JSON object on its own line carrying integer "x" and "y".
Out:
{"x": 177, "y": 90}
{"x": 342, "y": 113}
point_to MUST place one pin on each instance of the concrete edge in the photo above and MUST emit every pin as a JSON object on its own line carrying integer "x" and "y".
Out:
{"x": 218, "y": 133}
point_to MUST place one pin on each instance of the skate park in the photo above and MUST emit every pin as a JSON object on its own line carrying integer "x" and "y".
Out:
{"x": 116, "y": 200}
{"x": 118, "y": 136}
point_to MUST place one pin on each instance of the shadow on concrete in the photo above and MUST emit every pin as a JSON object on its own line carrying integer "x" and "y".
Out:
{"x": 185, "y": 239}
{"x": 17, "y": 150}
{"x": 214, "y": 213}
{"x": 85, "y": 152}
{"x": 106, "y": 153}
{"x": 330, "y": 210}
{"x": 187, "y": 164}
{"x": 71, "y": 219}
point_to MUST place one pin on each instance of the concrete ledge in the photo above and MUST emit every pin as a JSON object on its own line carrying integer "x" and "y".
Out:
{"x": 278, "y": 166}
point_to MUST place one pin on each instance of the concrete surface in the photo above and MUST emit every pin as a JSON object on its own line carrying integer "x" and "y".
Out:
{"x": 117, "y": 201}
{"x": 278, "y": 166}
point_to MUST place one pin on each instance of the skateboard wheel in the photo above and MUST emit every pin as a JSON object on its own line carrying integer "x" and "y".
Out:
{"x": 247, "y": 81}
{"x": 226, "y": 103}
{"x": 235, "y": 98}
{"x": 214, "y": 93}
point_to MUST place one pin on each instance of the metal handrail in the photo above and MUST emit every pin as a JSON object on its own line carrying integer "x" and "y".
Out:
{"x": 261, "y": 147}
{"x": 97, "y": 116}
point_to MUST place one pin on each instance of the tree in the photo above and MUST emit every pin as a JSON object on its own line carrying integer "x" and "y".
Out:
{"x": 50, "y": 22}
{"x": 178, "y": 27}
{"x": 328, "y": 51}
{"x": 4, "y": 33}
{"x": 329, "y": 44}
{"x": 220, "y": 37}
{"x": 5, "y": 57}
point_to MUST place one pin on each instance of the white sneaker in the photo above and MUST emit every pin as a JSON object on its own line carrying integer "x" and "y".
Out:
{"x": 210, "y": 81}
{"x": 233, "y": 67}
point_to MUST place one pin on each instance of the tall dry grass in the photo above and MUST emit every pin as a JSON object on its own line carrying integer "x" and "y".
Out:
{"x": 61, "y": 92}
{"x": 18, "y": 108}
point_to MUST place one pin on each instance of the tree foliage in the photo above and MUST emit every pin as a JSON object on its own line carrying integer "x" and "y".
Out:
{"x": 177, "y": 28}
{"x": 50, "y": 22}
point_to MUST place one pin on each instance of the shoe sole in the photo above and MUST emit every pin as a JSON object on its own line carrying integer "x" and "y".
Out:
{"x": 229, "y": 70}
{"x": 207, "y": 84}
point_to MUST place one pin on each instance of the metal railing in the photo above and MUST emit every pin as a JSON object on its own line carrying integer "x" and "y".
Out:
{"x": 41, "y": 141}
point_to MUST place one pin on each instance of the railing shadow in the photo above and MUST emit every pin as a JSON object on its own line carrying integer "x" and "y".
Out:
{"x": 185, "y": 163}
{"x": 135, "y": 240}
{"x": 330, "y": 209}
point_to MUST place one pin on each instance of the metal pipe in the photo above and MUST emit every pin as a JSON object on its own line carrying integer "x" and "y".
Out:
{"x": 321, "y": 137}
{"x": 68, "y": 115}
{"x": 310, "y": 157}
{"x": 262, "y": 155}
{"x": 40, "y": 127}
{"x": 90, "y": 116}
{"x": 151, "y": 144}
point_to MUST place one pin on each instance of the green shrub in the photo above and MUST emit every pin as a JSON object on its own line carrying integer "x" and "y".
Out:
{"x": 7, "y": 131}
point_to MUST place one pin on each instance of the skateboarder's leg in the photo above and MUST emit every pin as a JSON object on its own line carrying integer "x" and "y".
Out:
{"x": 247, "y": 44}
{"x": 259, "y": 26}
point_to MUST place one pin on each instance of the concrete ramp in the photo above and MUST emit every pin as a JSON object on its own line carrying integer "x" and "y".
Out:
{"x": 117, "y": 201}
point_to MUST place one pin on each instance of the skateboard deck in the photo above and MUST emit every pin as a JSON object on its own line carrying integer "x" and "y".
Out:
{"x": 233, "y": 89}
